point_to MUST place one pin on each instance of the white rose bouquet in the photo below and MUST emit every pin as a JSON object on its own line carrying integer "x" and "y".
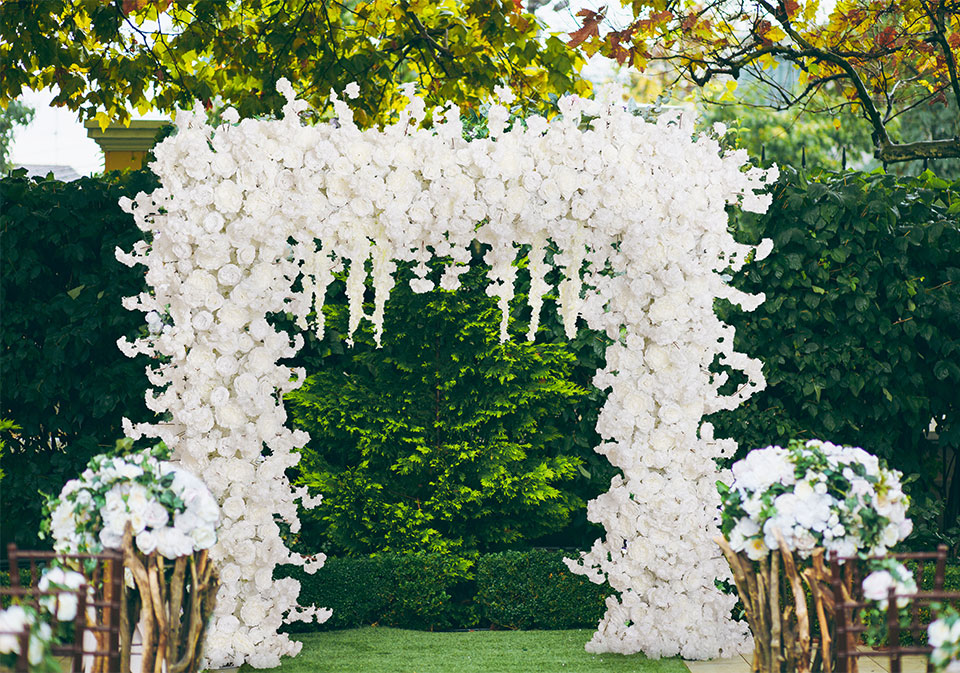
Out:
{"x": 943, "y": 634}
{"x": 169, "y": 509}
{"x": 170, "y": 514}
{"x": 816, "y": 494}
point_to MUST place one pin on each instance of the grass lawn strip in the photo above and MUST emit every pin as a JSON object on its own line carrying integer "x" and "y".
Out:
{"x": 386, "y": 650}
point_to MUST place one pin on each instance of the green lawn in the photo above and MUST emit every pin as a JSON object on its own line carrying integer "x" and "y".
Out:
{"x": 384, "y": 650}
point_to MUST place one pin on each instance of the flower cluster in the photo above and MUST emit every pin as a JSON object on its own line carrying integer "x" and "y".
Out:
{"x": 816, "y": 494}
{"x": 251, "y": 210}
{"x": 60, "y": 605}
{"x": 68, "y": 582}
{"x": 16, "y": 620}
{"x": 889, "y": 574}
{"x": 943, "y": 634}
{"x": 169, "y": 509}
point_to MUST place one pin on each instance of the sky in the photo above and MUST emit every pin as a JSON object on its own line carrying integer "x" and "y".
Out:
{"x": 57, "y": 137}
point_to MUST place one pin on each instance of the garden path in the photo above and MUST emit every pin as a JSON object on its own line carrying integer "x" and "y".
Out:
{"x": 876, "y": 663}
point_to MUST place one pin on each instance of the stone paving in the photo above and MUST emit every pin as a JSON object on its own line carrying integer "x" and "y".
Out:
{"x": 875, "y": 662}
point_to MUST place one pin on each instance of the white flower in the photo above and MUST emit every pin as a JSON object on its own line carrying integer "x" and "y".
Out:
{"x": 147, "y": 541}
{"x": 172, "y": 543}
{"x": 63, "y": 605}
{"x": 938, "y": 633}
{"x": 352, "y": 90}
{"x": 228, "y": 197}
{"x": 13, "y": 621}
{"x": 877, "y": 585}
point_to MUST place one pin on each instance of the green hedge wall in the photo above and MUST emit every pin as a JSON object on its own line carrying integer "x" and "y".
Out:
{"x": 527, "y": 590}
{"x": 860, "y": 330}
{"x": 535, "y": 590}
{"x": 65, "y": 382}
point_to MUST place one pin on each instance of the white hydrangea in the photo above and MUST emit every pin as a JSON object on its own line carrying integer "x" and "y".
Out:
{"x": 637, "y": 211}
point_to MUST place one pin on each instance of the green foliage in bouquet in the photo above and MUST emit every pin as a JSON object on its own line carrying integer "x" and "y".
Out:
{"x": 443, "y": 440}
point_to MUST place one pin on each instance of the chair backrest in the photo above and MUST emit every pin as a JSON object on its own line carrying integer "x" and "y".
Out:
{"x": 104, "y": 573}
{"x": 23, "y": 636}
{"x": 846, "y": 581}
{"x": 34, "y": 598}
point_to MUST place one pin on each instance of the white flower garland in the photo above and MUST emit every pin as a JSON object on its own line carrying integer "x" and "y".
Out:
{"x": 637, "y": 210}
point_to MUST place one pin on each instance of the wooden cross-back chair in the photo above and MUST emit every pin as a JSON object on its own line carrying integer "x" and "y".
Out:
{"x": 846, "y": 582}
{"x": 33, "y": 597}
{"x": 104, "y": 573}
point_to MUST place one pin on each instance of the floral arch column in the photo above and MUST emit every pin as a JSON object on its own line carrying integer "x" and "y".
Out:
{"x": 638, "y": 212}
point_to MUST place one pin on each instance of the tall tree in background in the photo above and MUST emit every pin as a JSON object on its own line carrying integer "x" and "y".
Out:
{"x": 15, "y": 114}
{"x": 104, "y": 55}
{"x": 883, "y": 57}
{"x": 445, "y": 439}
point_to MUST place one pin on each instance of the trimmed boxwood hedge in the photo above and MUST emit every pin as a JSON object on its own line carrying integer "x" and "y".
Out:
{"x": 535, "y": 590}
{"x": 515, "y": 589}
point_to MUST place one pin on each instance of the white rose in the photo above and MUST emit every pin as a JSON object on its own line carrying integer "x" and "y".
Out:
{"x": 227, "y": 365}
{"x": 219, "y": 396}
{"x": 204, "y": 537}
{"x": 224, "y": 165}
{"x": 253, "y": 611}
{"x": 234, "y": 507}
{"x": 172, "y": 543}
{"x": 229, "y": 275}
{"x": 231, "y": 416}
{"x": 938, "y": 633}
{"x": 228, "y": 197}
{"x": 877, "y": 585}
{"x": 246, "y": 385}
{"x": 203, "y": 320}
{"x": 147, "y": 541}
{"x": 230, "y": 574}
{"x": 155, "y": 515}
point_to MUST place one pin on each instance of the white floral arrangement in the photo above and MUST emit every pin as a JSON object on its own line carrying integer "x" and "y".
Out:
{"x": 58, "y": 608}
{"x": 169, "y": 509}
{"x": 943, "y": 634}
{"x": 816, "y": 494}
{"x": 250, "y": 210}
{"x": 889, "y": 574}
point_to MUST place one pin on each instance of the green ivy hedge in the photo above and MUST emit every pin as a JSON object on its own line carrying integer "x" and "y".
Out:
{"x": 65, "y": 382}
{"x": 860, "y": 330}
{"x": 528, "y": 590}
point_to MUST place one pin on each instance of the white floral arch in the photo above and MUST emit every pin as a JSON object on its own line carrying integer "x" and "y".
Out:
{"x": 638, "y": 212}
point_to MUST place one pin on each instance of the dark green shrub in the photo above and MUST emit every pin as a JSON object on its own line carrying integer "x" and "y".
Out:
{"x": 64, "y": 380}
{"x": 528, "y": 590}
{"x": 535, "y": 590}
{"x": 416, "y": 591}
{"x": 860, "y": 330}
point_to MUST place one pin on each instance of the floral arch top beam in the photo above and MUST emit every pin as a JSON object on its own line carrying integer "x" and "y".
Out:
{"x": 637, "y": 211}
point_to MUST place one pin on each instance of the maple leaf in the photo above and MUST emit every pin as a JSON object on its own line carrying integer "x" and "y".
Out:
{"x": 590, "y": 27}
{"x": 886, "y": 38}
{"x": 954, "y": 40}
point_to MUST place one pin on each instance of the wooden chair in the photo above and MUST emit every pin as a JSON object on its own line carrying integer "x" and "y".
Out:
{"x": 846, "y": 582}
{"x": 103, "y": 572}
{"x": 33, "y": 597}
{"x": 20, "y": 665}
